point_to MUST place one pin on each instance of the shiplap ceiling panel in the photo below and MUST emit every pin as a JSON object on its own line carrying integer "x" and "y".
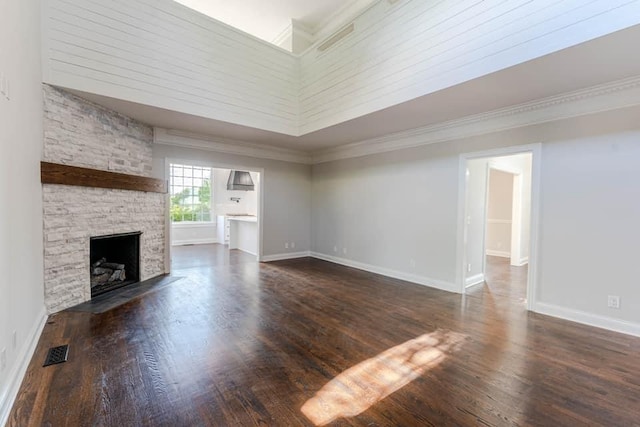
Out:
{"x": 168, "y": 55}
{"x": 429, "y": 46}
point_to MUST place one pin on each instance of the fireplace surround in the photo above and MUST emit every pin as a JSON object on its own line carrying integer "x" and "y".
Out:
{"x": 80, "y": 134}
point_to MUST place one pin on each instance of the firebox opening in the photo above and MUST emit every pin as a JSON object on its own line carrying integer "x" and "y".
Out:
{"x": 114, "y": 262}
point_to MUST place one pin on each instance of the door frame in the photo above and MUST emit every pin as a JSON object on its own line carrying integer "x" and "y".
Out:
{"x": 461, "y": 258}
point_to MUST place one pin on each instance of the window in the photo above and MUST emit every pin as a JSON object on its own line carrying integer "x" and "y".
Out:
{"x": 190, "y": 193}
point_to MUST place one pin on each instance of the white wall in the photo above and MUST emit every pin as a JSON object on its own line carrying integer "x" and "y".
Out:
{"x": 590, "y": 229}
{"x": 287, "y": 194}
{"x": 222, "y": 197}
{"x": 21, "y": 288}
{"x": 160, "y": 53}
{"x": 193, "y": 234}
{"x": 389, "y": 209}
{"x": 499, "y": 213}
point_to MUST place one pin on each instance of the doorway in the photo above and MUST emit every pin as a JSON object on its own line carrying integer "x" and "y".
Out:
{"x": 497, "y": 222}
{"x": 214, "y": 214}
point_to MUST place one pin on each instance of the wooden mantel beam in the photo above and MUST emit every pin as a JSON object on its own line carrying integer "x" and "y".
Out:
{"x": 54, "y": 173}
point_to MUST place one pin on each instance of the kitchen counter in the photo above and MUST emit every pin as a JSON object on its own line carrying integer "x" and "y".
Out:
{"x": 243, "y": 233}
{"x": 245, "y": 218}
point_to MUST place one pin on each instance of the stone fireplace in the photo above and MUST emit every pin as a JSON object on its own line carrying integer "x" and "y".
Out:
{"x": 80, "y": 133}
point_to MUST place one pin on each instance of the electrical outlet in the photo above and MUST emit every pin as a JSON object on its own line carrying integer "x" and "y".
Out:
{"x": 293, "y": 245}
{"x": 14, "y": 339}
{"x": 3, "y": 359}
{"x": 335, "y": 249}
{"x": 412, "y": 263}
{"x": 468, "y": 268}
{"x": 286, "y": 245}
{"x": 344, "y": 251}
{"x": 613, "y": 301}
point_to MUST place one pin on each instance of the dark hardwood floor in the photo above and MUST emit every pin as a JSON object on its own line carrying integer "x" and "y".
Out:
{"x": 503, "y": 281}
{"x": 304, "y": 342}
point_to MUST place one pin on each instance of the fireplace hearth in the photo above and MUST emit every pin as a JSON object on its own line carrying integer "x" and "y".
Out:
{"x": 114, "y": 261}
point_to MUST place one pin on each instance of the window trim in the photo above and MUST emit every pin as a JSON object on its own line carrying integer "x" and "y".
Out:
{"x": 193, "y": 224}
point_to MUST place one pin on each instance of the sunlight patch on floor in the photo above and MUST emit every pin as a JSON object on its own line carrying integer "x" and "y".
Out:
{"x": 362, "y": 386}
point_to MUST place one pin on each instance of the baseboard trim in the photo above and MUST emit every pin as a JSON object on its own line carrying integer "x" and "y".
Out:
{"x": 245, "y": 251}
{"x": 194, "y": 242}
{"x": 501, "y": 254}
{"x": 474, "y": 280}
{"x": 524, "y": 261}
{"x": 19, "y": 370}
{"x": 590, "y": 319}
{"x": 282, "y": 257}
{"x": 408, "y": 277}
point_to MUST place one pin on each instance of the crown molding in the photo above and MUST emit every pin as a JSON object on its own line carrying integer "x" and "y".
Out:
{"x": 604, "y": 97}
{"x": 300, "y": 30}
{"x": 295, "y": 29}
{"x": 283, "y": 35}
{"x": 242, "y": 148}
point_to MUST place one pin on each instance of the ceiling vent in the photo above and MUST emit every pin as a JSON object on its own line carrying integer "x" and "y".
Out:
{"x": 337, "y": 37}
{"x": 240, "y": 180}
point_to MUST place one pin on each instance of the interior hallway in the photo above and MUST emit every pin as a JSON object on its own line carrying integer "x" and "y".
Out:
{"x": 244, "y": 343}
{"x": 503, "y": 280}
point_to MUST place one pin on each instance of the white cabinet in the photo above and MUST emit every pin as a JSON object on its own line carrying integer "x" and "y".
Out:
{"x": 244, "y": 234}
{"x": 239, "y": 232}
{"x": 222, "y": 229}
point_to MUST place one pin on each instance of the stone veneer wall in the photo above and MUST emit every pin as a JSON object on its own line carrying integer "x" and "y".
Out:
{"x": 80, "y": 133}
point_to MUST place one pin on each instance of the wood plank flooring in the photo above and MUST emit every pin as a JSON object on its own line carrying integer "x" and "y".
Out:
{"x": 306, "y": 342}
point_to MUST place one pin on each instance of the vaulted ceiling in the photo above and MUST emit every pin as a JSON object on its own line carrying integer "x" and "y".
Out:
{"x": 403, "y": 66}
{"x": 268, "y": 19}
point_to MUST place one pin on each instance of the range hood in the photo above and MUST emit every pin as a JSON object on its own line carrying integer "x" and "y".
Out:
{"x": 240, "y": 180}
